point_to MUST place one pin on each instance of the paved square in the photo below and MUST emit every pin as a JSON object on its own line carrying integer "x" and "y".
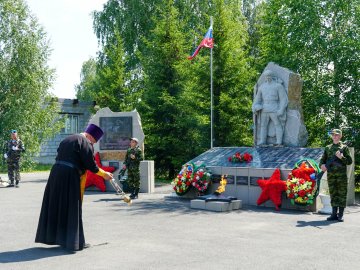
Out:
{"x": 154, "y": 233}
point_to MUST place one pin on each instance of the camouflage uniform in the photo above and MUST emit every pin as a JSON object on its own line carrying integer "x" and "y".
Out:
{"x": 132, "y": 165}
{"x": 336, "y": 173}
{"x": 13, "y": 159}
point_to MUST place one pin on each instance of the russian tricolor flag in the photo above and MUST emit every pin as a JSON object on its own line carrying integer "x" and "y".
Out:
{"x": 207, "y": 42}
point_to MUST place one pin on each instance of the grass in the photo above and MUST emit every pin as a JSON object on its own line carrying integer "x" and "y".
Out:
{"x": 39, "y": 168}
{"x": 34, "y": 168}
{"x": 162, "y": 181}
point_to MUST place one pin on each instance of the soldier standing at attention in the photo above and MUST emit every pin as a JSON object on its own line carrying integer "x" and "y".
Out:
{"x": 13, "y": 150}
{"x": 334, "y": 160}
{"x": 132, "y": 164}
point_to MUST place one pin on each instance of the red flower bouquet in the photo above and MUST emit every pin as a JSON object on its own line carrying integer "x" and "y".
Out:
{"x": 201, "y": 179}
{"x": 182, "y": 182}
{"x": 237, "y": 157}
{"x": 301, "y": 184}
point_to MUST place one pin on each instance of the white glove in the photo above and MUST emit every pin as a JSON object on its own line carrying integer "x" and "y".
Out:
{"x": 5, "y": 156}
{"x": 15, "y": 148}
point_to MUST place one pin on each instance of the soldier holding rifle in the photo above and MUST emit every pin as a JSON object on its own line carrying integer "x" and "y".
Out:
{"x": 334, "y": 160}
{"x": 132, "y": 164}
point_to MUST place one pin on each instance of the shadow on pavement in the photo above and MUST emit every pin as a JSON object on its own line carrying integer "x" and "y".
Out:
{"x": 316, "y": 223}
{"x": 31, "y": 254}
{"x": 157, "y": 206}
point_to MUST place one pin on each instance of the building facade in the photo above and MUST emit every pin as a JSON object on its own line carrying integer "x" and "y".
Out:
{"x": 77, "y": 115}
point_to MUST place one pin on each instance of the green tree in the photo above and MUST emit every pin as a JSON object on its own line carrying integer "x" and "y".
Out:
{"x": 164, "y": 109}
{"x": 234, "y": 77}
{"x": 86, "y": 90}
{"x": 25, "y": 78}
{"x": 131, "y": 20}
{"x": 114, "y": 87}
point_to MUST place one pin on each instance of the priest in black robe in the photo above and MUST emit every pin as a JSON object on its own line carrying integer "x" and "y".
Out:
{"x": 60, "y": 221}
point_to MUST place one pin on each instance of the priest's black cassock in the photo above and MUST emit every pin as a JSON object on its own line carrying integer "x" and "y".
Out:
{"x": 60, "y": 221}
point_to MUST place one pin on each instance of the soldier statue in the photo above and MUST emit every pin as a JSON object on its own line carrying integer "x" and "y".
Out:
{"x": 270, "y": 104}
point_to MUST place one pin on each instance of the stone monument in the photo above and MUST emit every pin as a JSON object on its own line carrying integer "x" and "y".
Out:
{"x": 278, "y": 121}
{"x": 118, "y": 128}
{"x": 278, "y": 116}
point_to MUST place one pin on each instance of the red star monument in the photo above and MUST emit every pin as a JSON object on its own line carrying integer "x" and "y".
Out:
{"x": 272, "y": 189}
{"x": 93, "y": 179}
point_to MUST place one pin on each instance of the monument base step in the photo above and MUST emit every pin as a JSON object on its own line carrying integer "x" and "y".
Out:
{"x": 216, "y": 206}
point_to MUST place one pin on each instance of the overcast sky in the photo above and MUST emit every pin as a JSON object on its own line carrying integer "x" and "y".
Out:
{"x": 68, "y": 24}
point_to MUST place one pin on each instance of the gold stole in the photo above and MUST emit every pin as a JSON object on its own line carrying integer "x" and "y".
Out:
{"x": 101, "y": 173}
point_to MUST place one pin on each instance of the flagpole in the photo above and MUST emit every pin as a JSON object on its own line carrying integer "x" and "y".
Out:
{"x": 211, "y": 92}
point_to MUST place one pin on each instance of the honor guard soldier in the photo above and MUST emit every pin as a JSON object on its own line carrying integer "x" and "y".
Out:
{"x": 12, "y": 154}
{"x": 132, "y": 164}
{"x": 334, "y": 160}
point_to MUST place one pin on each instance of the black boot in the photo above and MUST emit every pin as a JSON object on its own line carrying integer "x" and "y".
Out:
{"x": 11, "y": 184}
{"x": 16, "y": 184}
{"x": 340, "y": 216}
{"x": 135, "y": 193}
{"x": 132, "y": 193}
{"x": 333, "y": 215}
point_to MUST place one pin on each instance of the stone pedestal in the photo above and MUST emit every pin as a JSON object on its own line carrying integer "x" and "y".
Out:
{"x": 215, "y": 205}
{"x": 326, "y": 203}
{"x": 147, "y": 178}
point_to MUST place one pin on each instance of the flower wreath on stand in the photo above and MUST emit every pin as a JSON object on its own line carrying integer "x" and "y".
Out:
{"x": 201, "y": 179}
{"x": 302, "y": 186}
{"x": 182, "y": 182}
{"x": 237, "y": 157}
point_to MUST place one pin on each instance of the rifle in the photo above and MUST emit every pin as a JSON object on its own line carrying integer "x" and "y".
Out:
{"x": 3, "y": 153}
{"x": 330, "y": 161}
{"x": 121, "y": 174}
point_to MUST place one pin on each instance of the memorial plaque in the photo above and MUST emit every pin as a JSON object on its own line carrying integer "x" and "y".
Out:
{"x": 242, "y": 180}
{"x": 117, "y": 132}
{"x": 216, "y": 178}
{"x": 253, "y": 180}
{"x": 230, "y": 179}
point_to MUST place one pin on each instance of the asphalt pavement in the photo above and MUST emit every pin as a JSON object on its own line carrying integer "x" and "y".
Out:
{"x": 156, "y": 232}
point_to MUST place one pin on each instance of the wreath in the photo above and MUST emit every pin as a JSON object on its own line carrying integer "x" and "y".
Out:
{"x": 192, "y": 176}
{"x": 182, "y": 182}
{"x": 201, "y": 179}
{"x": 302, "y": 186}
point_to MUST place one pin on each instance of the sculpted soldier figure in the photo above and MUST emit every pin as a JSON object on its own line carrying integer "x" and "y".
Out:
{"x": 270, "y": 103}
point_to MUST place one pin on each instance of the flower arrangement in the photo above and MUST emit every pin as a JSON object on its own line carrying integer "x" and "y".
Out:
{"x": 237, "y": 157}
{"x": 190, "y": 176}
{"x": 182, "y": 182}
{"x": 201, "y": 179}
{"x": 302, "y": 187}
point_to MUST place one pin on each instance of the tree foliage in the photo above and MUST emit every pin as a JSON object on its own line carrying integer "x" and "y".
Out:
{"x": 165, "y": 108}
{"x": 25, "y": 78}
{"x": 86, "y": 89}
{"x": 142, "y": 64}
{"x": 234, "y": 76}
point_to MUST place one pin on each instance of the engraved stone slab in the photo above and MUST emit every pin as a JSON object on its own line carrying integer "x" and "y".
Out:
{"x": 263, "y": 157}
{"x": 215, "y": 206}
